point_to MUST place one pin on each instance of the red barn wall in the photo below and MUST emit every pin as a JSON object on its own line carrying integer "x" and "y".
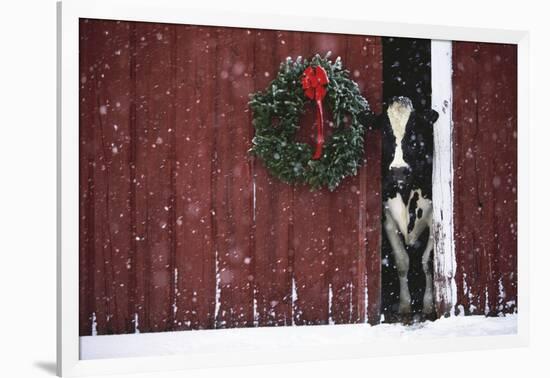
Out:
{"x": 485, "y": 176}
{"x": 180, "y": 227}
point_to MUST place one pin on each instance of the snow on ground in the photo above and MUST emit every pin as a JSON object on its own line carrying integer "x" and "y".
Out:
{"x": 271, "y": 338}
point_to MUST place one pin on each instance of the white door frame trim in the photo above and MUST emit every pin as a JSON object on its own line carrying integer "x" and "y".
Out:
{"x": 442, "y": 180}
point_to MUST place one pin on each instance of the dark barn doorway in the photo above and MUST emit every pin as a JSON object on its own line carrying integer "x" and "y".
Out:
{"x": 406, "y": 72}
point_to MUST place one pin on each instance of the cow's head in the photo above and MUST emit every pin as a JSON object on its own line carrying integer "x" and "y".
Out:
{"x": 407, "y": 141}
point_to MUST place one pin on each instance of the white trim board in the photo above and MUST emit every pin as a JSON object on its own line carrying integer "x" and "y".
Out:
{"x": 170, "y": 11}
{"x": 442, "y": 179}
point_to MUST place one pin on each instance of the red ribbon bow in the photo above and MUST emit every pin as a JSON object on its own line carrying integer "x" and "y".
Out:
{"x": 314, "y": 82}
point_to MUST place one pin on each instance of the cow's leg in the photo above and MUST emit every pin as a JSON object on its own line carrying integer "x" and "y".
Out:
{"x": 428, "y": 302}
{"x": 422, "y": 222}
{"x": 401, "y": 261}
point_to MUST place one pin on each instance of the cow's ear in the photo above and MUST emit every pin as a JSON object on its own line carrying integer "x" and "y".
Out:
{"x": 370, "y": 120}
{"x": 430, "y": 116}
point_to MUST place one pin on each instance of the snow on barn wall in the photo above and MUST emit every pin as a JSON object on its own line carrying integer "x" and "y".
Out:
{"x": 485, "y": 176}
{"x": 179, "y": 227}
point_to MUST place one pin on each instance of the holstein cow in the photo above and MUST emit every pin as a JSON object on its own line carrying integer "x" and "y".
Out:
{"x": 407, "y": 153}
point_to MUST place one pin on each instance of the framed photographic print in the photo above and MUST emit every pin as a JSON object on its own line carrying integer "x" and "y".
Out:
{"x": 239, "y": 188}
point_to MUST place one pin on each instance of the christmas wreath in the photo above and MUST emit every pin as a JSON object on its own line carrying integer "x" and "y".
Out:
{"x": 276, "y": 114}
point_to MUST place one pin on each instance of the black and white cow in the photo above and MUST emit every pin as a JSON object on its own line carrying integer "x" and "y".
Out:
{"x": 407, "y": 153}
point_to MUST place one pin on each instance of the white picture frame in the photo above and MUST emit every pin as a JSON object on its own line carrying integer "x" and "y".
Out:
{"x": 69, "y": 364}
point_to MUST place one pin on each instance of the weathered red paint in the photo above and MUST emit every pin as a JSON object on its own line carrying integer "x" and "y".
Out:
{"x": 370, "y": 78}
{"x": 169, "y": 191}
{"x": 193, "y": 180}
{"x": 485, "y": 176}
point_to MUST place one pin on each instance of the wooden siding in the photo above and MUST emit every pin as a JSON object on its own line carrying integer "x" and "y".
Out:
{"x": 180, "y": 228}
{"x": 485, "y": 176}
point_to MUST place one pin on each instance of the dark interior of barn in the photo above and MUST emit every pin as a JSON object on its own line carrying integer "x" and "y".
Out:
{"x": 406, "y": 72}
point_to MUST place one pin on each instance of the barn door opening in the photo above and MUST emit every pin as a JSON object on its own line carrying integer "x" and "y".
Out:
{"x": 406, "y": 72}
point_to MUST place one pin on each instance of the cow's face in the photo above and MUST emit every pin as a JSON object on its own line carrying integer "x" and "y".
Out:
{"x": 407, "y": 141}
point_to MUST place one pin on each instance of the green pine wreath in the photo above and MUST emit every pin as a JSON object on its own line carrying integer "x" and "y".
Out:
{"x": 276, "y": 114}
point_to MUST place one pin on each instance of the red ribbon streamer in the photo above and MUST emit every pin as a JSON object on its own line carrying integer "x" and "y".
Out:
{"x": 314, "y": 82}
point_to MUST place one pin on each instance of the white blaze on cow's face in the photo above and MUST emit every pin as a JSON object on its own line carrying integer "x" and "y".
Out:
{"x": 398, "y": 113}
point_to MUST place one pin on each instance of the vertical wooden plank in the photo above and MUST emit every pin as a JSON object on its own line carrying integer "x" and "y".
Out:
{"x": 499, "y": 87}
{"x": 101, "y": 289}
{"x": 114, "y": 103}
{"x": 271, "y": 226}
{"x": 141, "y": 266}
{"x": 505, "y": 179}
{"x": 484, "y": 162}
{"x": 465, "y": 203}
{"x": 343, "y": 274}
{"x": 311, "y": 226}
{"x": 371, "y": 183}
{"x": 154, "y": 127}
{"x": 442, "y": 183}
{"x": 132, "y": 263}
{"x": 194, "y": 268}
{"x": 363, "y": 62}
{"x": 272, "y": 210}
{"x": 86, "y": 213}
{"x": 356, "y": 61}
{"x": 232, "y": 175}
